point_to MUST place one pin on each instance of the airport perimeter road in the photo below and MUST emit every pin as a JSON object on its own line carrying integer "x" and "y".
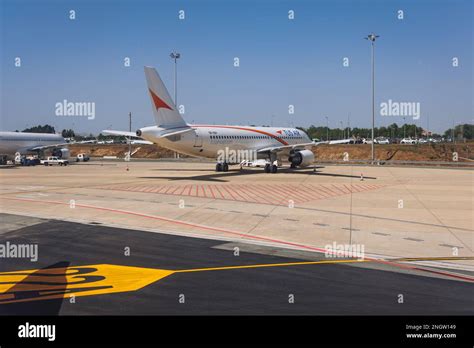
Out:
{"x": 169, "y": 274}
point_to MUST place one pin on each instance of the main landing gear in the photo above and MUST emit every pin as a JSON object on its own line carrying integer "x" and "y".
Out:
{"x": 271, "y": 167}
{"x": 222, "y": 167}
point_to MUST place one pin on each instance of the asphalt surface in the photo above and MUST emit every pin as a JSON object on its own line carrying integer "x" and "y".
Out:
{"x": 317, "y": 289}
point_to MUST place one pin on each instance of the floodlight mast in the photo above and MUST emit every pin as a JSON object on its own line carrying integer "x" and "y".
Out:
{"x": 175, "y": 55}
{"x": 372, "y": 37}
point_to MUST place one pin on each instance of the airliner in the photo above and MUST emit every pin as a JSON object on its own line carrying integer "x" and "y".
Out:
{"x": 218, "y": 141}
{"x": 12, "y": 143}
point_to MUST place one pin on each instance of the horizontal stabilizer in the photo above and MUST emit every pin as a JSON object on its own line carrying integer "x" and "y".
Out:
{"x": 168, "y": 133}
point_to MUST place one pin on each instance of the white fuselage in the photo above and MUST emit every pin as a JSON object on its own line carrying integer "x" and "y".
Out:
{"x": 13, "y": 142}
{"x": 209, "y": 140}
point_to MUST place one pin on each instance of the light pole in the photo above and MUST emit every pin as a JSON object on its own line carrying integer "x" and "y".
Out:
{"x": 372, "y": 38}
{"x": 175, "y": 55}
{"x": 342, "y": 129}
{"x": 452, "y": 134}
{"x": 327, "y": 129}
{"x": 349, "y": 125}
{"x": 404, "y": 127}
{"x": 130, "y": 138}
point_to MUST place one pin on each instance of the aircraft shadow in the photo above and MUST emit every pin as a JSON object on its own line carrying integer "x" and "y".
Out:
{"x": 19, "y": 300}
{"x": 220, "y": 176}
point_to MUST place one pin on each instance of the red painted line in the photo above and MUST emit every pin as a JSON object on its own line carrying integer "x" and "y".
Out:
{"x": 330, "y": 191}
{"x": 270, "y": 194}
{"x": 307, "y": 195}
{"x": 352, "y": 188}
{"x": 225, "y": 188}
{"x": 167, "y": 189}
{"x": 212, "y": 191}
{"x": 320, "y": 193}
{"x": 283, "y": 192}
{"x": 197, "y": 190}
{"x": 344, "y": 192}
{"x": 184, "y": 188}
{"x": 204, "y": 191}
{"x": 236, "y": 191}
{"x": 248, "y": 194}
{"x": 296, "y": 192}
{"x": 240, "y": 234}
{"x": 142, "y": 188}
{"x": 189, "y": 191}
{"x": 267, "y": 190}
{"x": 219, "y": 190}
{"x": 445, "y": 274}
{"x": 162, "y": 188}
{"x": 254, "y": 196}
{"x": 176, "y": 189}
{"x": 158, "y": 189}
{"x": 323, "y": 192}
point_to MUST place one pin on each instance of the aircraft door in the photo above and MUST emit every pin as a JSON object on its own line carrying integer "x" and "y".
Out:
{"x": 197, "y": 140}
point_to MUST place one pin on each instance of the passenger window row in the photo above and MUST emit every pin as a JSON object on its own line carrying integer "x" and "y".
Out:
{"x": 250, "y": 137}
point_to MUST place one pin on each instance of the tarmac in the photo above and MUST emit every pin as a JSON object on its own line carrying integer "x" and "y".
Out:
{"x": 179, "y": 238}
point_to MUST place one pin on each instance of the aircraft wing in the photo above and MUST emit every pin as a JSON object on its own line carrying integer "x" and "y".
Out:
{"x": 141, "y": 142}
{"x": 162, "y": 134}
{"x": 121, "y": 133}
{"x": 288, "y": 148}
{"x": 343, "y": 141}
{"x": 44, "y": 147}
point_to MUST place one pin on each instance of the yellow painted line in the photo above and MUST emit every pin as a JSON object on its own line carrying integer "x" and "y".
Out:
{"x": 65, "y": 282}
{"x": 52, "y": 283}
{"x": 269, "y": 265}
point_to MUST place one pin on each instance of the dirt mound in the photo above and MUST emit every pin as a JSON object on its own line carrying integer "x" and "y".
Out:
{"x": 396, "y": 152}
{"x": 119, "y": 150}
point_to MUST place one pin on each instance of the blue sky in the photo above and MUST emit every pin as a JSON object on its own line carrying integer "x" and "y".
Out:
{"x": 282, "y": 61}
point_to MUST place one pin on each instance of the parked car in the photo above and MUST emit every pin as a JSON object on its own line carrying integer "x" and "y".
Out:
{"x": 256, "y": 163}
{"x": 381, "y": 141}
{"x": 29, "y": 161}
{"x": 422, "y": 141}
{"x": 82, "y": 157}
{"x": 54, "y": 160}
{"x": 409, "y": 141}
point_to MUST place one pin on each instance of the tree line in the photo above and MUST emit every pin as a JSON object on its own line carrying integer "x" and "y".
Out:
{"x": 461, "y": 131}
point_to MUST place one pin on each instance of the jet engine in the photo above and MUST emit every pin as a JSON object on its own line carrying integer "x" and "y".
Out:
{"x": 301, "y": 158}
{"x": 61, "y": 153}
